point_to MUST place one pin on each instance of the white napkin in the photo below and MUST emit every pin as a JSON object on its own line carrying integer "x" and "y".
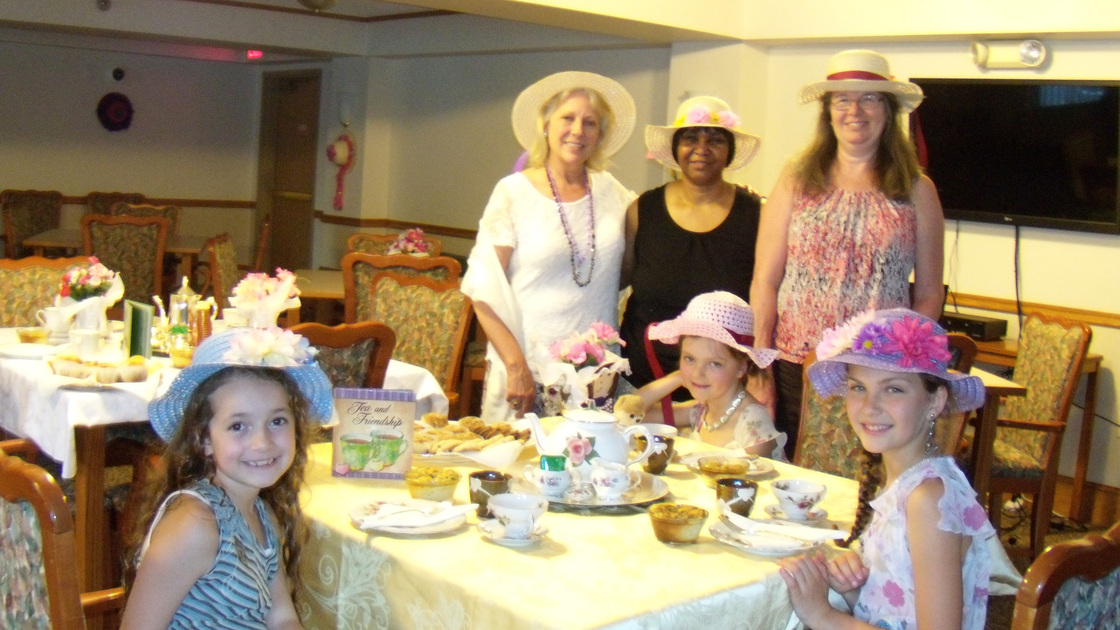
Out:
{"x": 414, "y": 514}
{"x": 497, "y": 456}
{"x": 802, "y": 532}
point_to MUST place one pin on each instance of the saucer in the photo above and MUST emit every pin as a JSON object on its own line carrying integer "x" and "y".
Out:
{"x": 491, "y": 531}
{"x": 816, "y": 515}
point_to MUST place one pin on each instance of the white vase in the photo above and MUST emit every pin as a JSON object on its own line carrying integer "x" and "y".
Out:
{"x": 91, "y": 317}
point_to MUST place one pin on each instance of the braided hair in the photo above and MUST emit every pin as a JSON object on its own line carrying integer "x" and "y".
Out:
{"x": 870, "y": 480}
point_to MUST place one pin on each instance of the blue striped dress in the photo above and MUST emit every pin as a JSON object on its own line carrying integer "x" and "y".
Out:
{"x": 235, "y": 593}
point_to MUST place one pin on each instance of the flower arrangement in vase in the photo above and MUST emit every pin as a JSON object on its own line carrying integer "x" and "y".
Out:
{"x": 259, "y": 298}
{"x": 85, "y": 293}
{"x": 410, "y": 242}
{"x": 580, "y": 370}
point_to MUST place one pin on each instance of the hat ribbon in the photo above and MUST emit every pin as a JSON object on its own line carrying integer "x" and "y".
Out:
{"x": 862, "y": 75}
{"x": 740, "y": 338}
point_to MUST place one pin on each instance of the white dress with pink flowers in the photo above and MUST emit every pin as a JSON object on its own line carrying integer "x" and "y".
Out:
{"x": 887, "y": 598}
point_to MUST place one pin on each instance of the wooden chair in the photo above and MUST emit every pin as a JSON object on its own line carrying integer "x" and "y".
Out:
{"x": 171, "y": 213}
{"x": 1073, "y": 584}
{"x": 825, "y": 440}
{"x": 264, "y": 231}
{"x": 352, "y": 355}
{"x": 950, "y": 430}
{"x": 221, "y": 261}
{"x": 431, "y": 320}
{"x": 1029, "y": 431}
{"x": 358, "y": 271}
{"x": 27, "y": 213}
{"x": 131, "y": 246}
{"x": 101, "y": 202}
{"x": 38, "y": 553}
{"x": 379, "y": 243}
{"x": 29, "y": 284}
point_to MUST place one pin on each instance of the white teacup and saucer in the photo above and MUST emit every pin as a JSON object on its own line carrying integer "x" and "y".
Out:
{"x": 493, "y": 531}
{"x": 814, "y": 517}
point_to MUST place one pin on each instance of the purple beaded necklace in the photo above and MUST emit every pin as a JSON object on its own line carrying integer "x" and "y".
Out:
{"x": 573, "y": 255}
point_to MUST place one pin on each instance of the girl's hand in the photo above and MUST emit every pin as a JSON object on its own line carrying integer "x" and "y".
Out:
{"x": 521, "y": 390}
{"x": 846, "y": 572}
{"x": 807, "y": 579}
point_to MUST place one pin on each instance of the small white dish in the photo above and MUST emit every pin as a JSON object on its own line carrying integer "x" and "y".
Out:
{"x": 32, "y": 351}
{"x": 816, "y": 515}
{"x": 492, "y": 531}
{"x": 759, "y": 544}
{"x": 447, "y": 517}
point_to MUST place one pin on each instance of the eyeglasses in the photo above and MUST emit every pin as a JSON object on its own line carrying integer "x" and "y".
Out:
{"x": 871, "y": 100}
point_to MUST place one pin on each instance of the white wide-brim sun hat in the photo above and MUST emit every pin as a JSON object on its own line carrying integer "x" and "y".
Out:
{"x": 863, "y": 71}
{"x": 527, "y": 107}
{"x": 700, "y": 111}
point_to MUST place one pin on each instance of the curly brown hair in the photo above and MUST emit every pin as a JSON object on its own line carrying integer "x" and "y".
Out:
{"x": 896, "y": 161}
{"x": 185, "y": 462}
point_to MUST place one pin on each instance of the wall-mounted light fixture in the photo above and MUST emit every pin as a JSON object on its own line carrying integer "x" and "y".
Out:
{"x": 1027, "y": 53}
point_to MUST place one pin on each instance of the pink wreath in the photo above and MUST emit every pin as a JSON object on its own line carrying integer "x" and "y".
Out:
{"x": 341, "y": 153}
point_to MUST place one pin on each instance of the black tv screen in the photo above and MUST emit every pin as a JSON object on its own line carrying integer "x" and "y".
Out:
{"x": 1033, "y": 153}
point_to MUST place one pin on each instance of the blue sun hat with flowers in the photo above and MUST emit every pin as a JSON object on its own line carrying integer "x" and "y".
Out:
{"x": 248, "y": 347}
{"x": 896, "y": 340}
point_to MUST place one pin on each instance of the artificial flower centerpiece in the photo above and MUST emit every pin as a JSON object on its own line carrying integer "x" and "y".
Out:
{"x": 581, "y": 371}
{"x": 85, "y": 293}
{"x": 410, "y": 242}
{"x": 259, "y": 298}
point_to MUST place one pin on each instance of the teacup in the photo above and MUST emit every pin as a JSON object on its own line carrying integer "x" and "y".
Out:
{"x": 54, "y": 320}
{"x": 550, "y": 482}
{"x": 611, "y": 479}
{"x": 664, "y": 437}
{"x": 392, "y": 444}
{"x": 485, "y": 484}
{"x": 518, "y": 512}
{"x": 86, "y": 344}
{"x": 737, "y": 494}
{"x": 797, "y": 497}
{"x": 357, "y": 449}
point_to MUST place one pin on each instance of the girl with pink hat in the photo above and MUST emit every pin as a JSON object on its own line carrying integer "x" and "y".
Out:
{"x": 716, "y": 357}
{"x": 847, "y": 222}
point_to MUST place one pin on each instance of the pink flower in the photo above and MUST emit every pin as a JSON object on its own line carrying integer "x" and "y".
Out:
{"x": 893, "y": 592}
{"x": 917, "y": 344}
{"x": 595, "y": 351}
{"x": 606, "y": 334}
{"x": 729, "y": 119}
{"x": 578, "y": 449}
{"x": 698, "y": 115}
{"x": 974, "y": 516}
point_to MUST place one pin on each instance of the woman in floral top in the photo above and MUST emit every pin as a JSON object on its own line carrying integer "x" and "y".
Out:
{"x": 923, "y": 556}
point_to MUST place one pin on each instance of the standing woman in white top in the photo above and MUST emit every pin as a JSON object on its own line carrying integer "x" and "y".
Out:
{"x": 548, "y": 256}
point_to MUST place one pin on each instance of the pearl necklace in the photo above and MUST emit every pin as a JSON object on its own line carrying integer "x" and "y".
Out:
{"x": 727, "y": 414}
{"x": 573, "y": 255}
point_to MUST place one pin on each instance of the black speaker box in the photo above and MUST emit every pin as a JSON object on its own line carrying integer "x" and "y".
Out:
{"x": 979, "y": 328}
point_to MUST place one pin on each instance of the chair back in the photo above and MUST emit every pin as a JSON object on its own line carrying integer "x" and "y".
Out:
{"x": 1073, "y": 584}
{"x": 352, "y": 355}
{"x": 29, "y": 284}
{"x": 358, "y": 271}
{"x": 101, "y": 202}
{"x": 950, "y": 428}
{"x": 379, "y": 243}
{"x": 963, "y": 350}
{"x": 221, "y": 257}
{"x": 27, "y": 213}
{"x": 38, "y": 549}
{"x": 131, "y": 246}
{"x": 263, "y": 234}
{"x": 431, "y": 320}
{"x": 171, "y": 213}
{"x": 825, "y": 440}
{"x": 1051, "y": 351}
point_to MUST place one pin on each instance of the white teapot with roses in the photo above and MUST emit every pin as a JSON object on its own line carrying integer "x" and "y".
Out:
{"x": 587, "y": 434}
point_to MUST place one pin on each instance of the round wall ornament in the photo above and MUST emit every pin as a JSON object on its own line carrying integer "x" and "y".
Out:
{"x": 114, "y": 110}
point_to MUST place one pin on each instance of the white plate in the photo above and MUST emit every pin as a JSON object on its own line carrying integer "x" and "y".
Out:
{"x": 816, "y": 515}
{"x": 760, "y": 544}
{"x": 757, "y": 467}
{"x": 490, "y": 530}
{"x": 28, "y": 351}
{"x": 87, "y": 386}
{"x": 358, "y": 514}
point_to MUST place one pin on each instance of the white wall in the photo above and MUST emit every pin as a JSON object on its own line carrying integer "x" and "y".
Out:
{"x": 1057, "y": 267}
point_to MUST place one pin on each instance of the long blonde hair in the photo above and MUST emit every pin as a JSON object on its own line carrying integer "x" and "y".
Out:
{"x": 896, "y": 161}
{"x": 538, "y": 153}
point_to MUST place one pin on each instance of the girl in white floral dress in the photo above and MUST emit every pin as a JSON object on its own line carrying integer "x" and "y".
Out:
{"x": 923, "y": 555}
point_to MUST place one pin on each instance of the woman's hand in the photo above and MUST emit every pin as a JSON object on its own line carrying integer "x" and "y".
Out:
{"x": 521, "y": 389}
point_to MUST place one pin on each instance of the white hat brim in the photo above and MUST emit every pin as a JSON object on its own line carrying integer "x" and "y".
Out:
{"x": 909, "y": 94}
{"x": 659, "y": 144}
{"x": 527, "y": 107}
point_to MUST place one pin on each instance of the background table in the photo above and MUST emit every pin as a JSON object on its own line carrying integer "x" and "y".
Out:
{"x": 187, "y": 246}
{"x": 983, "y": 445}
{"x": 591, "y": 571}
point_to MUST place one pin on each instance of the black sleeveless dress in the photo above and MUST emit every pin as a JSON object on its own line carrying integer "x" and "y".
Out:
{"x": 673, "y": 265}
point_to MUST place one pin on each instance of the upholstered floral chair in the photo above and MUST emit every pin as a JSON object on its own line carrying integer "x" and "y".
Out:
{"x": 1029, "y": 431}
{"x": 101, "y": 202}
{"x": 221, "y": 257}
{"x": 825, "y": 440}
{"x": 131, "y": 246}
{"x": 379, "y": 243}
{"x": 431, "y": 320}
{"x": 29, "y": 284}
{"x": 1073, "y": 584}
{"x": 27, "y": 213}
{"x": 171, "y": 213}
{"x": 358, "y": 270}
{"x": 37, "y": 549}
{"x": 352, "y": 355}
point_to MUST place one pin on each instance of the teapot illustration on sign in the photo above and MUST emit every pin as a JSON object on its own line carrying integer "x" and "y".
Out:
{"x": 588, "y": 434}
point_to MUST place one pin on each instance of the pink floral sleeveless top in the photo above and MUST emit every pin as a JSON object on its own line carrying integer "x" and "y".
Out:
{"x": 847, "y": 252}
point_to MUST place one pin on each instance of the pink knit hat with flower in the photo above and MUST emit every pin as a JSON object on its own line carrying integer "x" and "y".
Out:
{"x": 896, "y": 340}
{"x": 718, "y": 315}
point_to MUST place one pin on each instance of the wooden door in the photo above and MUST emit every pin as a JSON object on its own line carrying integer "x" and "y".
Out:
{"x": 289, "y": 138}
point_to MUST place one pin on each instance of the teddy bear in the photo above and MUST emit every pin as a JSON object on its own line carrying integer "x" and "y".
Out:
{"x": 629, "y": 409}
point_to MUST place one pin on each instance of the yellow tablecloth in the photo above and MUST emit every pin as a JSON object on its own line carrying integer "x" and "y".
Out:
{"x": 593, "y": 570}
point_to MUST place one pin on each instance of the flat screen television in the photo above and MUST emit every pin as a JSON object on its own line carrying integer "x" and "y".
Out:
{"x": 1023, "y": 152}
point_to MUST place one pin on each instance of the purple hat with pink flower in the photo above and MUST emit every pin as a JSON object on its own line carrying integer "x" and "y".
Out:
{"x": 896, "y": 340}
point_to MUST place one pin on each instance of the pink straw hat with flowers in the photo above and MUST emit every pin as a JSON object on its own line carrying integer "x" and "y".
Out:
{"x": 721, "y": 316}
{"x": 700, "y": 111}
{"x": 895, "y": 340}
{"x": 863, "y": 71}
